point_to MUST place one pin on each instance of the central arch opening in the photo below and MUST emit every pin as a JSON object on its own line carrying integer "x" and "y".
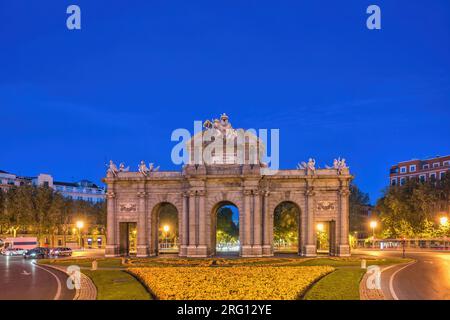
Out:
{"x": 286, "y": 228}
{"x": 226, "y": 235}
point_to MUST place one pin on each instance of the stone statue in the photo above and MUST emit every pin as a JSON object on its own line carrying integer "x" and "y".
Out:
{"x": 143, "y": 168}
{"x": 207, "y": 124}
{"x": 112, "y": 168}
{"x": 122, "y": 168}
{"x": 221, "y": 127}
{"x": 338, "y": 164}
{"x": 311, "y": 165}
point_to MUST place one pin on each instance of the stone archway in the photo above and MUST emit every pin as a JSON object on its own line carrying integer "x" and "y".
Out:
{"x": 165, "y": 228}
{"x": 225, "y": 231}
{"x": 287, "y": 227}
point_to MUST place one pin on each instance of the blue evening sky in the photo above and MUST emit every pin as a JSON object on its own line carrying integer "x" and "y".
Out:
{"x": 71, "y": 100}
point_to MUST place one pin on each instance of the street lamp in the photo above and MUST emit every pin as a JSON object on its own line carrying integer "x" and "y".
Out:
{"x": 373, "y": 225}
{"x": 320, "y": 227}
{"x": 166, "y": 230}
{"x": 80, "y": 225}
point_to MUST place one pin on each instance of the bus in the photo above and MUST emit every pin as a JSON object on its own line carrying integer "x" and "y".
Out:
{"x": 25, "y": 243}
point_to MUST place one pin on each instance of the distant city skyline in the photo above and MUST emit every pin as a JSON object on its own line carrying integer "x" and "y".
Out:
{"x": 72, "y": 100}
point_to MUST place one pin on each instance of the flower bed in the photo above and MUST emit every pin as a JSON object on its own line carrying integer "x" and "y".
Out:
{"x": 183, "y": 262}
{"x": 233, "y": 283}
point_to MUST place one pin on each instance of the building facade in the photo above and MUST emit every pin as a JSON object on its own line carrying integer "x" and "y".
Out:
{"x": 320, "y": 196}
{"x": 424, "y": 170}
{"x": 81, "y": 190}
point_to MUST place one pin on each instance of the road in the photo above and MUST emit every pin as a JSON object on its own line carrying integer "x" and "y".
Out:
{"x": 20, "y": 279}
{"x": 426, "y": 279}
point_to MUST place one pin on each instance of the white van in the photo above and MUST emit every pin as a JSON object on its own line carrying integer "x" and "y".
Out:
{"x": 25, "y": 243}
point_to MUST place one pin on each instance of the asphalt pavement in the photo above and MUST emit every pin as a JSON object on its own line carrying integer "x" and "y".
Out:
{"x": 21, "y": 279}
{"x": 427, "y": 278}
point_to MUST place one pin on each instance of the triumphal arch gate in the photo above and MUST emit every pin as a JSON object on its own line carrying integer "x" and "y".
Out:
{"x": 234, "y": 175}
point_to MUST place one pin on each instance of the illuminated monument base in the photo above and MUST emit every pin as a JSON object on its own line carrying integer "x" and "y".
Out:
{"x": 198, "y": 191}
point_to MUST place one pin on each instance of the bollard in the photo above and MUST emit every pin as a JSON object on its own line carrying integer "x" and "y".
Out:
{"x": 363, "y": 264}
{"x": 94, "y": 265}
{"x": 122, "y": 261}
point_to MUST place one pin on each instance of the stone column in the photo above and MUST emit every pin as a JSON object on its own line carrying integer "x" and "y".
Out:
{"x": 142, "y": 247}
{"x": 344, "y": 247}
{"x": 111, "y": 241}
{"x": 257, "y": 225}
{"x": 267, "y": 215}
{"x": 310, "y": 246}
{"x": 246, "y": 234}
{"x": 192, "y": 247}
{"x": 184, "y": 228}
{"x": 202, "y": 249}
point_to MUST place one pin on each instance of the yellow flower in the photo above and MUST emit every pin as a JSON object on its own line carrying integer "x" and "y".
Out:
{"x": 233, "y": 283}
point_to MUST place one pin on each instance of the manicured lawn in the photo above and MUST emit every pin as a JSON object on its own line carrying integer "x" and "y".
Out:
{"x": 179, "y": 278}
{"x": 342, "y": 284}
{"x": 117, "y": 285}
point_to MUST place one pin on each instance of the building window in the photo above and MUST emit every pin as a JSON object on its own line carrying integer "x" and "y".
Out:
{"x": 422, "y": 178}
{"x": 402, "y": 169}
{"x": 402, "y": 181}
{"x": 432, "y": 176}
{"x": 441, "y": 175}
{"x": 436, "y": 165}
{"x": 446, "y": 163}
{"x": 393, "y": 182}
{"x": 412, "y": 168}
{"x": 426, "y": 166}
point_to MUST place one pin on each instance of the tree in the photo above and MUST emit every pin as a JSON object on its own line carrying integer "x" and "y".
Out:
{"x": 286, "y": 223}
{"x": 412, "y": 209}
{"x": 41, "y": 210}
{"x": 225, "y": 223}
{"x": 358, "y": 203}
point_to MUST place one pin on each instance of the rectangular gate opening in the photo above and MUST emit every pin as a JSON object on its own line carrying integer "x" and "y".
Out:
{"x": 128, "y": 236}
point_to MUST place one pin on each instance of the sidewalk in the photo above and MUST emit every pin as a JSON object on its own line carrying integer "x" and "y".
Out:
{"x": 87, "y": 290}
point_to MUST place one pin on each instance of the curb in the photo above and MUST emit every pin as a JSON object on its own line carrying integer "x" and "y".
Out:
{"x": 369, "y": 294}
{"x": 376, "y": 294}
{"x": 87, "y": 291}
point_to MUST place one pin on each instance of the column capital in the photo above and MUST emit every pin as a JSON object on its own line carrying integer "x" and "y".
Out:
{"x": 247, "y": 192}
{"x": 344, "y": 192}
{"x": 110, "y": 195}
{"x": 266, "y": 193}
{"x": 201, "y": 193}
{"x": 185, "y": 194}
{"x": 310, "y": 192}
{"x": 192, "y": 193}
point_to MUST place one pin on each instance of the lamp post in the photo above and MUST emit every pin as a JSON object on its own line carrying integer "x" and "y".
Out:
{"x": 373, "y": 225}
{"x": 80, "y": 225}
{"x": 444, "y": 222}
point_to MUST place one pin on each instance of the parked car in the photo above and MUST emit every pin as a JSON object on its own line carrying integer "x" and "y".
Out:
{"x": 37, "y": 253}
{"x": 61, "y": 251}
{"x": 13, "y": 251}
